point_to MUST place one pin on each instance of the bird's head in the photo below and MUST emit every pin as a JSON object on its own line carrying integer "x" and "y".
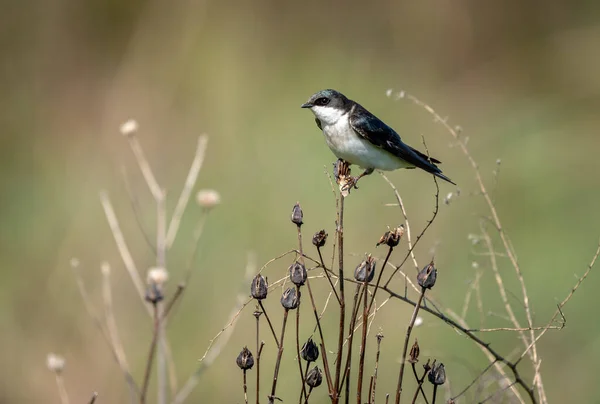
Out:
{"x": 328, "y": 105}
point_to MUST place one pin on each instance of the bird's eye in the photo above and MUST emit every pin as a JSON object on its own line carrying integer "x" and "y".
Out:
{"x": 322, "y": 101}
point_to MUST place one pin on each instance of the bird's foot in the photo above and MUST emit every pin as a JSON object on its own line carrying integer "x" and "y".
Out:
{"x": 350, "y": 183}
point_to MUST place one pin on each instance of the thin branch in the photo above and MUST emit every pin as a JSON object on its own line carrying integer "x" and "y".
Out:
{"x": 150, "y": 360}
{"x": 405, "y": 348}
{"x": 103, "y": 331}
{"x": 279, "y": 356}
{"x": 113, "y": 331}
{"x": 140, "y": 157}
{"x": 93, "y": 398}
{"x": 190, "y": 182}
{"x": 62, "y": 391}
{"x": 122, "y": 246}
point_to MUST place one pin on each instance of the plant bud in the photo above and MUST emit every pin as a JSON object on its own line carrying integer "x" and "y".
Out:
{"x": 298, "y": 273}
{"x": 208, "y": 198}
{"x": 437, "y": 375}
{"x": 365, "y": 271}
{"x": 55, "y": 363}
{"x": 297, "y": 214}
{"x": 155, "y": 281}
{"x": 392, "y": 237}
{"x": 314, "y": 378}
{"x": 319, "y": 238}
{"x": 290, "y": 299}
{"x": 245, "y": 360}
{"x": 413, "y": 356}
{"x": 259, "y": 287}
{"x": 427, "y": 276}
{"x": 309, "y": 351}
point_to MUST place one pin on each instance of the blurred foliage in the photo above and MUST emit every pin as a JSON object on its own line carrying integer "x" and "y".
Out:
{"x": 521, "y": 78}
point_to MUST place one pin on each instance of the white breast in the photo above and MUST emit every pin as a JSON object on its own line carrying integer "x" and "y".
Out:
{"x": 346, "y": 144}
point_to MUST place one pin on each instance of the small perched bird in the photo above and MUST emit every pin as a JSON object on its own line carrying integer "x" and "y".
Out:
{"x": 358, "y": 137}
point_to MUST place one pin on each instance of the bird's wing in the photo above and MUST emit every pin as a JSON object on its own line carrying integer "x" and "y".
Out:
{"x": 318, "y": 123}
{"x": 371, "y": 128}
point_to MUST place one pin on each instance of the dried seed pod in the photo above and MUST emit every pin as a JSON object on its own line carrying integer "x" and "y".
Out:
{"x": 309, "y": 351}
{"x": 319, "y": 238}
{"x": 297, "y": 214}
{"x": 413, "y": 356}
{"x": 437, "y": 375}
{"x": 259, "y": 287}
{"x": 298, "y": 273}
{"x": 392, "y": 237}
{"x": 314, "y": 378}
{"x": 365, "y": 271}
{"x": 427, "y": 276}
{"x": 245, "y": 360}
{"x": 290, "y": 299}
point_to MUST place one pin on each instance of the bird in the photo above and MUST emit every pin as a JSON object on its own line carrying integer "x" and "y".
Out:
{"x": 358, "y": 137}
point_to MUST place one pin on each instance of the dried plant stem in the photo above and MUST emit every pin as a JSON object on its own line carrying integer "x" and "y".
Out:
{"x": 435, "y": 386}
{"x": 405, "y": 347}
{"x": 302, "y": 378}
{"x": 420, "y": 381}
{"x": 259, "y": 346}
{"x": 374, "y": 388}
{"x": 269, "y": 322}
{"x": 279, "y": 356}
{"x": 113, "y": 331}
{"x": 111, "y": 218}
{"x": 303, "y": 390}
{"x": 333, "y": 289}
{"x": 150, "y": 360}
{"x": 387, "y": 257}
{"x": 184, "y": 198}
{"x": 245, "y": 389}
{"x": 62, "y": 391}
{"x": 104, "y": 332}
{"x": 308, "y": 395}
{"x": 161, "y": 261}
{"x": 340, "y": 233}
{"x": 350, "y": 339}
{"x": 363, "y": 346}
{"x": 93, "y": 398}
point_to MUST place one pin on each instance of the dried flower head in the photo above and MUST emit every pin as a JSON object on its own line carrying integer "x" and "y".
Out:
{"x": 365, "y": 271}
{"x": 309, "y": 351}
{"x": 437, "y": 375}
{"x": 392, "y": 237}
{"x": 155, "y": 280}
{"x": 129, "y": 127}
{"x": 427, "y": 276}
{"x": 298, "y": 273}
{"x": 208, "y": 198}
{"x": 413, "y": 356}
{"x": 297, "y": 214}
{"x": 290, "y": 299}
{"x": 319, "y": 238}
{"x": 157, "y": 275}
{"x": 314, "y": 378}
{"x": 341, "y": 172}
{"x": 55, "y": 363}
{"x": 259, "y": 287}
{"x": 245, "y": 360}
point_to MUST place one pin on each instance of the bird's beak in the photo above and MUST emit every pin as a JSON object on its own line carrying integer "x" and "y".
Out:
{"x": 306, "y": 105}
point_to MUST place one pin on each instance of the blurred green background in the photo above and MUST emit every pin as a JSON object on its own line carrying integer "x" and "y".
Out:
{"x": 521, "y": 79}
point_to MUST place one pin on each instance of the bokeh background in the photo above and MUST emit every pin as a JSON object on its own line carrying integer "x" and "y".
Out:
{"x": 520, "y": 78}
